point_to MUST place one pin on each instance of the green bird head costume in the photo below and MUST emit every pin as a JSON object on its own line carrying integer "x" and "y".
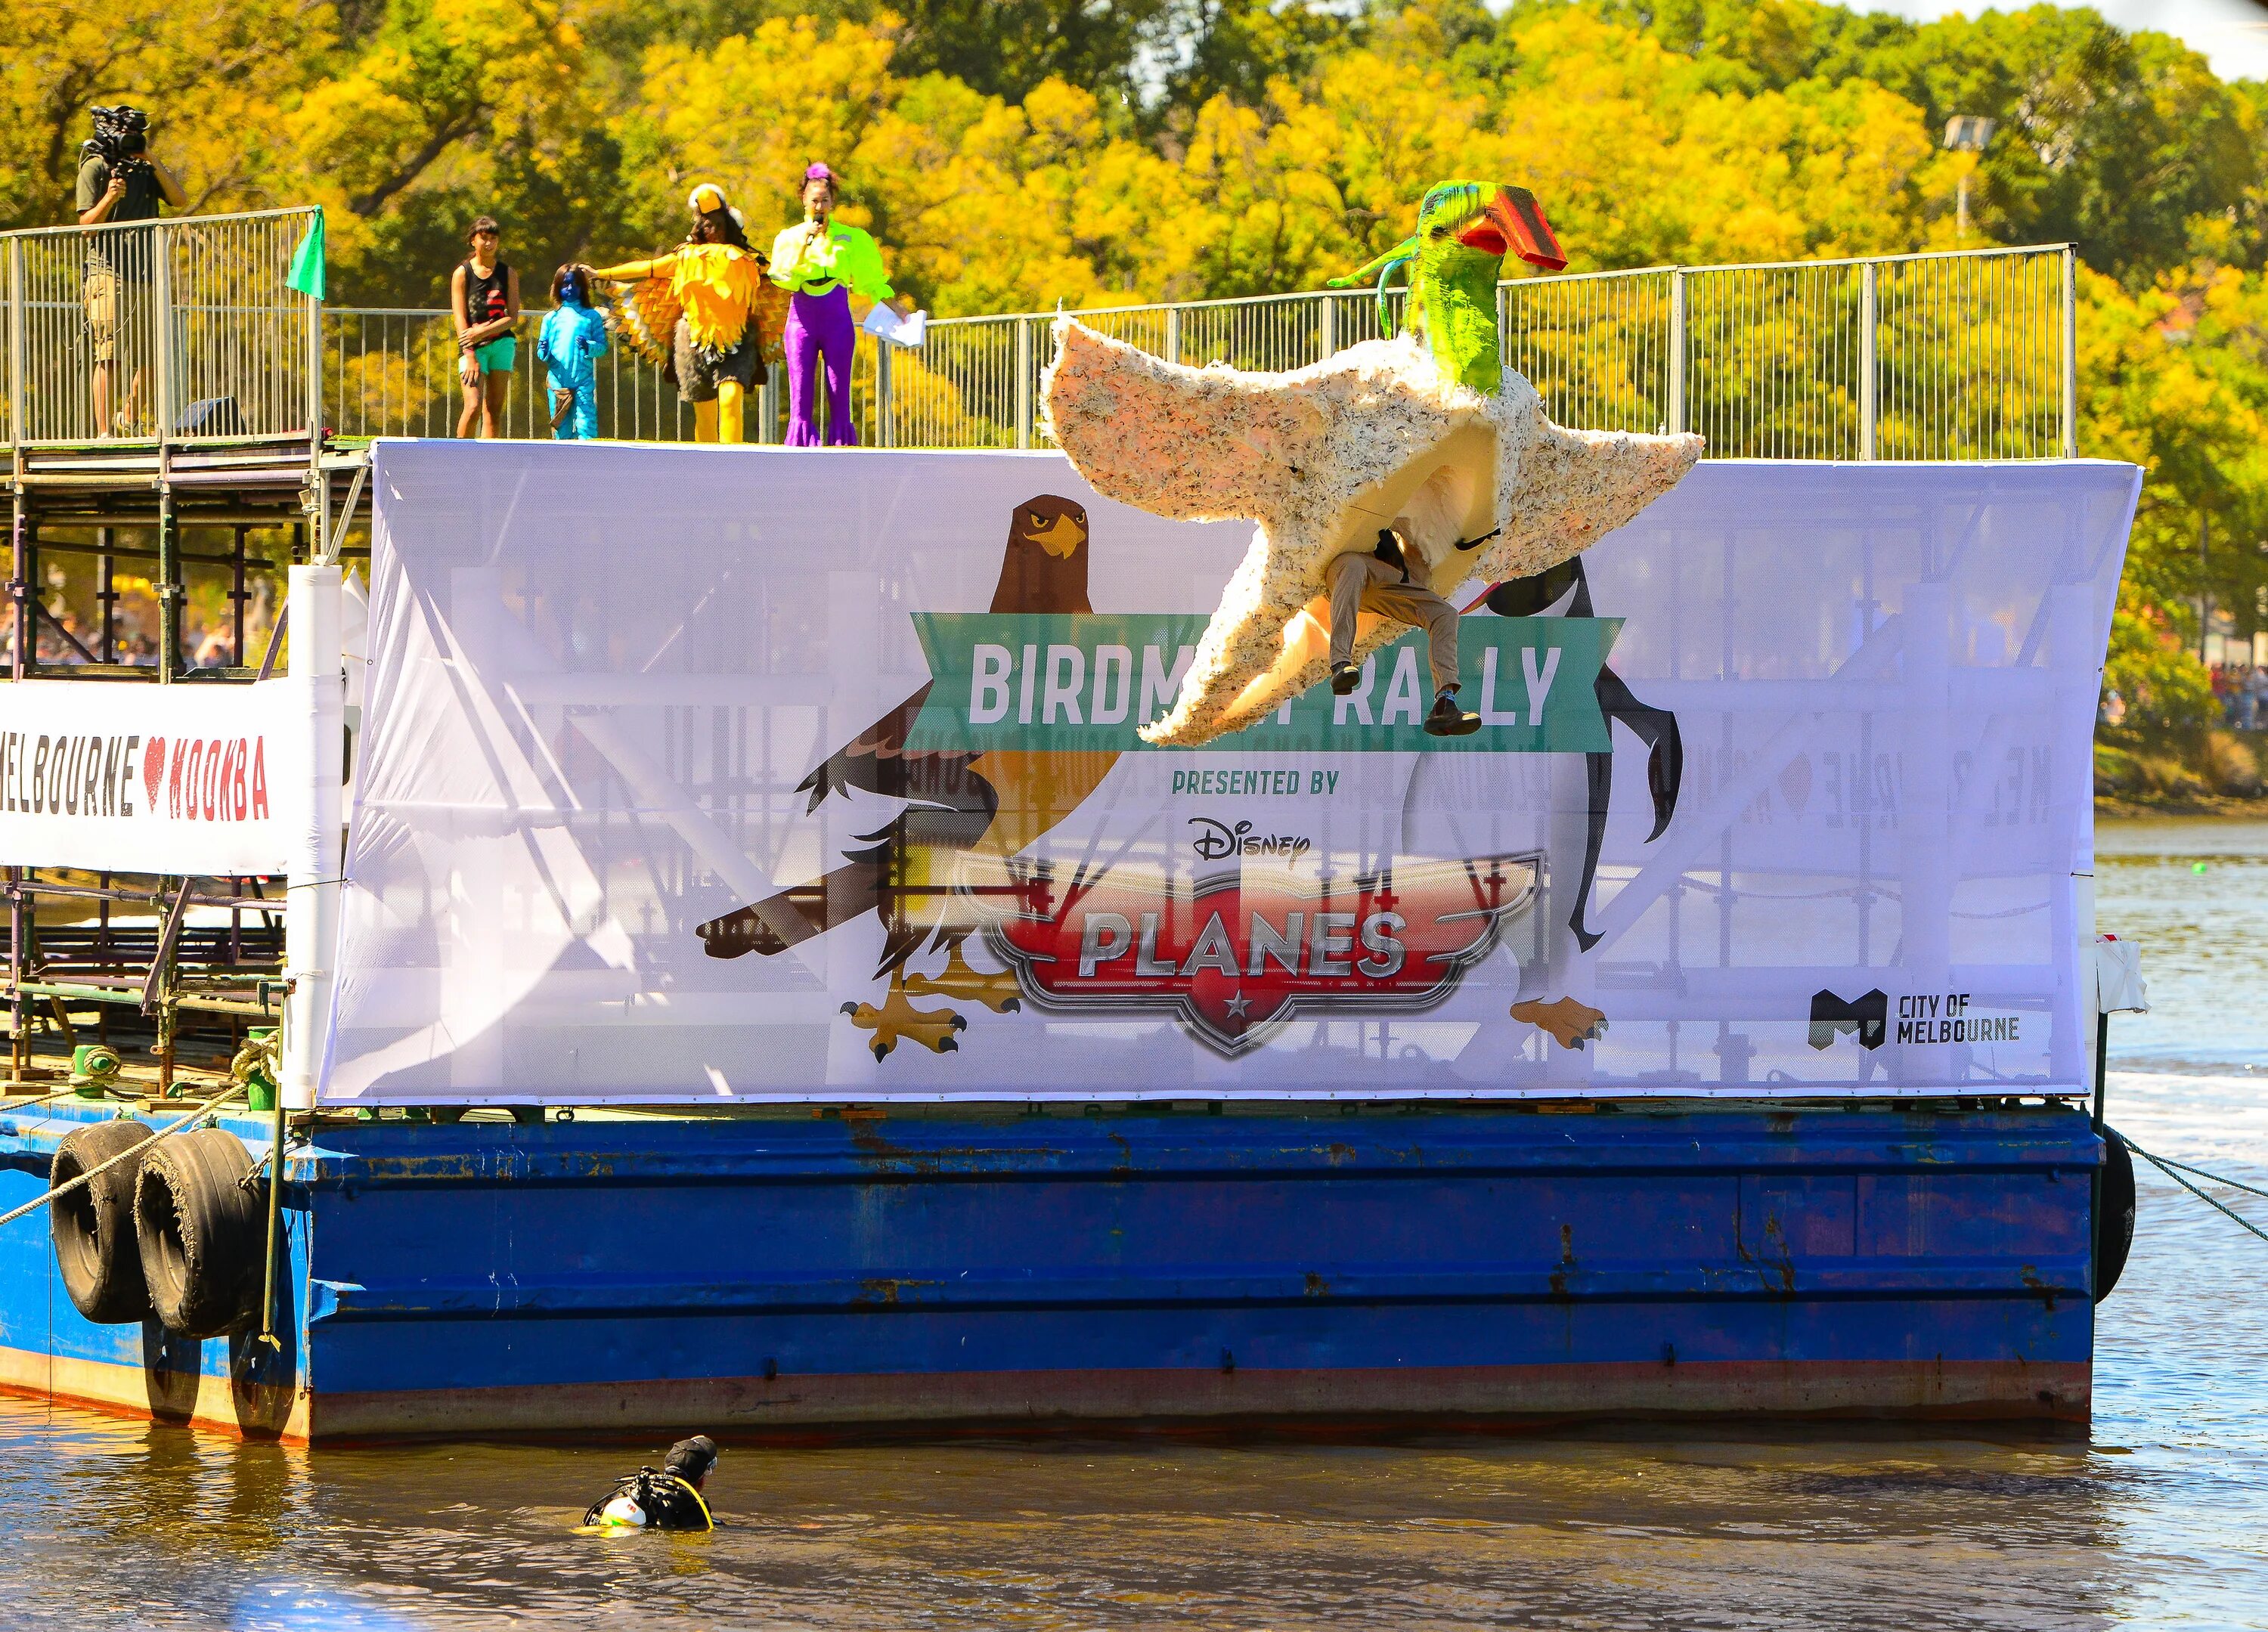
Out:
{"x": 1428, "y": 424}
{"x": 1465, "y": 229}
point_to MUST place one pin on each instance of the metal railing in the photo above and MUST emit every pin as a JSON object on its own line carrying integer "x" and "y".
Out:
{"x": 158, "y": 331}
{"x": 187, "y": 328}
{"x": 391, "y": 372}
{"x": 1959, "y": 355}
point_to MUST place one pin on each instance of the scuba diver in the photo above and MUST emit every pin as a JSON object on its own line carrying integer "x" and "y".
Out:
{"x": 666, "y": 1499}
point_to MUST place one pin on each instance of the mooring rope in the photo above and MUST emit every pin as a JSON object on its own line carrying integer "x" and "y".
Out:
{"x": 2167, "y": 1161}
{"x": 34, "y": 1105}
{"x": 202, "y": 1111}
{"x": 2167, "y": 1166}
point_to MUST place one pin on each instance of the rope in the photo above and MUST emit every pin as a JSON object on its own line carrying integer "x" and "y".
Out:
{"x": 175, "y": 1126}
{"x": 34, "y": 1105}
{"x": 2167, "y": 1161}
{"x": 2168, "y": 1168}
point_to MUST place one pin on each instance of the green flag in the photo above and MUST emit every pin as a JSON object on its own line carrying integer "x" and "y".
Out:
{"x": 308, "y": 273}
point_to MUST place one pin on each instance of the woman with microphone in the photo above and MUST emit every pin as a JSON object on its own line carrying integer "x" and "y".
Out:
{"x": 822, "y": 263}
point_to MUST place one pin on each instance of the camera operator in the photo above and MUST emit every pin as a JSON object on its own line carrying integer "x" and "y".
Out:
{"x": 118, "y": 181}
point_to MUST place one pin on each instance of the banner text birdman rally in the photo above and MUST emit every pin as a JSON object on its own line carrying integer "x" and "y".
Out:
{"x": 1063, "y": 682}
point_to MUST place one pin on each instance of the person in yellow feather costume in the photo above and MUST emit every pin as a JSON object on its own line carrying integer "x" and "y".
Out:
{"x": 707, "y": 314}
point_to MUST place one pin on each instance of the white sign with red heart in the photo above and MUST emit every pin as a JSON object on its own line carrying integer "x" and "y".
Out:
{"x": 187, "y": 778}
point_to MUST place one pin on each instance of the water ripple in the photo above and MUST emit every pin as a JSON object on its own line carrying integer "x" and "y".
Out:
{"x": 2154, "y": 1521}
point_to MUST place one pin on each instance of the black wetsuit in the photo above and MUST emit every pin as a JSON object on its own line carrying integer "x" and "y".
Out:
{"x": 668, "y": 1502}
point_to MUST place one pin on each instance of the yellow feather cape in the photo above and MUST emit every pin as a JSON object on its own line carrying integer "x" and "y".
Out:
{"x": 719, "y": 290}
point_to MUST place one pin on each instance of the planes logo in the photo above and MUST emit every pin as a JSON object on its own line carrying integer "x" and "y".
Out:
{"x": 1234, "y": 954}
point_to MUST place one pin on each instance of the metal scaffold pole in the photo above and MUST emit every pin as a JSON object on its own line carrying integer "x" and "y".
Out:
{"x": 1676, "y": 349}
{"x": 2070, "y": 352}
{"x": 311, "y": 927}
{"x": 1023, "y": 382}
{"x": 1869, "y": 362}
{"x": 883, "y": 436}
{"x": 16, "y": 427}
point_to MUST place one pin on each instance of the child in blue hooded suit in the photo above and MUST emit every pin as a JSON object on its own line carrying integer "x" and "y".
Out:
{"x": 574, "y": 338}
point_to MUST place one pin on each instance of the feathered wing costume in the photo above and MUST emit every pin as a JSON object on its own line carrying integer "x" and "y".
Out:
{"x": 648, "y": 313}
{"x": 1428, "y": 422}
{"x": 706, "y": 314}
{"x": 650, "y": 309}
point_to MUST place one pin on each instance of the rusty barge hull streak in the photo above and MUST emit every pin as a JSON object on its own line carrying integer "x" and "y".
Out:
{"x": 936, "y": 1272}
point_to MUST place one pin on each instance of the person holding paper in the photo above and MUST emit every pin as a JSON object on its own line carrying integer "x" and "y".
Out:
{"x": 822, "y": 263}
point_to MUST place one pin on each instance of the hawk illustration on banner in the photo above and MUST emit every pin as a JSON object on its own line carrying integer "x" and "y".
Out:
{"x": 994, "y": 802}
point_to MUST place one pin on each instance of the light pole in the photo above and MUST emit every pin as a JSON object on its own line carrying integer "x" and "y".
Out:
{"x": 1966, "y": 133}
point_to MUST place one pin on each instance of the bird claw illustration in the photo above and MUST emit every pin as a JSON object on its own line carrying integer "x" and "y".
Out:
{"x": 963, "y": 984}
{"x": 897, "y": 1020}
{"x": 1573, "y": 1022}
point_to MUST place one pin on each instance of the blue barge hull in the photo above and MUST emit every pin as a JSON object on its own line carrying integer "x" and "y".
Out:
{"x": 855, "y": 1271}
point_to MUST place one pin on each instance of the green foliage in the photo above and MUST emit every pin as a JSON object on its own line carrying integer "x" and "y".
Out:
{"x": 2172, "y": 768}
{"x": 2164, "y": 685}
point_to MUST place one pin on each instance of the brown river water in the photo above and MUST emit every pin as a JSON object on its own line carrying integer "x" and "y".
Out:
{"x": 2159, "y": 1518}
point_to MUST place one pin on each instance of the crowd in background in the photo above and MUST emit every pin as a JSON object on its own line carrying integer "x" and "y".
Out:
{"x": 70, "y": 622}
{"x": 2241, "y": 690}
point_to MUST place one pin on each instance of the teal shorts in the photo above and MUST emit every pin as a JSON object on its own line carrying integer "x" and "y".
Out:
{"x": 496, "y": 357}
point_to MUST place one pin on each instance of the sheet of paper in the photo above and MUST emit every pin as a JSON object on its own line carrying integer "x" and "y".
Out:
{"x": 886, "y": 325}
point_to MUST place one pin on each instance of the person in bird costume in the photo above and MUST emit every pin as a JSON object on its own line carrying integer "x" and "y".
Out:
{"x": 706, "y": 314}
{"x": 960, "y": 807}
{"x": 824, "y": 262}
{"x": 1423, "y": 433}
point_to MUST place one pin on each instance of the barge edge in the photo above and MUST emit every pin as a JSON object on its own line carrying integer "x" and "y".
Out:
{"x": 1328, "y": 1402}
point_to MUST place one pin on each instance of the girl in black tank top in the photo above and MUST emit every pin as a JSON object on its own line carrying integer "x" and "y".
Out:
{"x": 487, "y": 298}
{"x": 484, "y": 307}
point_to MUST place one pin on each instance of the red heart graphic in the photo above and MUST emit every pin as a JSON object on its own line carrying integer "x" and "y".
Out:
{"x": 1795, "y": 782}
{"x": 153, "y": 767}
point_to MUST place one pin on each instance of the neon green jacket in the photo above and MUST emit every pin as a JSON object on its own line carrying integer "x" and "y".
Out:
{"x": 845, "y": 255}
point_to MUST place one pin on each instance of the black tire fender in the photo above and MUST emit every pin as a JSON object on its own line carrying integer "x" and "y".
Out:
{"x": 2113, "y": 1214}
{"x": 98, "y": 1250}
{"x": 202, "y": 1232}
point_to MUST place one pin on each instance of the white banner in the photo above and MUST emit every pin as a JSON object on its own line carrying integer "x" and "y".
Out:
{"x": 765, "y": 775}
{"x": 187, "y": 778}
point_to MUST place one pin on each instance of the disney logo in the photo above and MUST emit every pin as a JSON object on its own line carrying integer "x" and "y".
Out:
{"x": 1217, "y": 839}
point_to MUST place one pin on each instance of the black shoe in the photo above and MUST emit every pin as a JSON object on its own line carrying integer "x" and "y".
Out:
{"x": 1345, "y": 678}
{"x": 1448, "y": 720}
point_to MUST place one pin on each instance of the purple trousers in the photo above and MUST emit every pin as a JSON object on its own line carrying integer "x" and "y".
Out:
{"x": 818, "y": 327}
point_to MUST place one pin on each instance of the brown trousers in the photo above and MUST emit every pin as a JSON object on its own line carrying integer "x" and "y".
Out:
{"x": 1365, "y": 584}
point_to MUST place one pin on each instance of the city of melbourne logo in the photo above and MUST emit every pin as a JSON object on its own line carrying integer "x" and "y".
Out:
{"x": 1233, "y": 954}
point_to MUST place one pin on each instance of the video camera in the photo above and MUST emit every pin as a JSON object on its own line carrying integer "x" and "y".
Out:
{"x": 121, "y": 134}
